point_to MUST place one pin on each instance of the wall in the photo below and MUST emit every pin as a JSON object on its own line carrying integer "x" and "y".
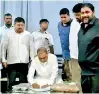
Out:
{"x": 33, "y": 11}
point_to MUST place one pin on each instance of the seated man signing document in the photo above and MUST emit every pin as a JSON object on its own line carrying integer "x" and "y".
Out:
{"x": 46, "y": 66}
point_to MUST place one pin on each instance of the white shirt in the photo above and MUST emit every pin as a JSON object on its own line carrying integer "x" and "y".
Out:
{"x": 0, "y": 60}
{"x": 4, "y": 30}
{"x": 19, "y": 47}
{"x": 73, "y": 39}
{"x": 46, "y": 73}
{"x": 42, "y": 39}
{"x": 0, "y": 53}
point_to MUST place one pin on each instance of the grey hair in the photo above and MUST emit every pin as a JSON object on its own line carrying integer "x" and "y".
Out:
{"x": 43, "y": 49}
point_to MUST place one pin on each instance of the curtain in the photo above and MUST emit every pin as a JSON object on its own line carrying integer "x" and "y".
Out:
{"x": 33, "y": 11}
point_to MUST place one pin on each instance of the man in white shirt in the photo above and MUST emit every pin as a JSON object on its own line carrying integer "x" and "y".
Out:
{"x": 46, "y": 66}
{"x": 73, "y": 41}
{"x": 0, "y": 62}
{"x": 7, "y": 25}
{"x": 19, "y": 46}
{"x": 42, "y": 37}
{"x": 3, "y": 30}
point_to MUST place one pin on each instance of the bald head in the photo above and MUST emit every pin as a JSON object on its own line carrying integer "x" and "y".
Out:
{"x": 42, "y": 54}
{"x": 42, "y": 49}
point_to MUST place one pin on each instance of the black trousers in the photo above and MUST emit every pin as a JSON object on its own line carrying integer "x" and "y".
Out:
{"x": 17, "y": 70}
{"x": 90, "y": 83}
{"x": 4, "y": 72}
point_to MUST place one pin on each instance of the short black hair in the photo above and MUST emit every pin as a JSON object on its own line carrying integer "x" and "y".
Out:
{"x": 19, "y": 19}
{"x": 64, "y": 11}
{"x": 7, "y": 14}
{"x": 89, "y": 5}
{"x": 77, "y": 8}
{"x": 43, "y": 20}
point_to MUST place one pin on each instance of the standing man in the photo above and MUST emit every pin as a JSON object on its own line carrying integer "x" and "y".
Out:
{"x": 88, "y": 44}
{"x": 64, "y": 29}
{"x": 0, "y": 61}
{"x": 42, "y": 38}
{"x": 73, "y": 44}
{"x": 3, "y": 30}
{"x": 19, "y": 46}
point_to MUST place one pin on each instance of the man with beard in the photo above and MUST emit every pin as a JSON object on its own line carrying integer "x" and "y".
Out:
{"x": 7, "y": 25}
{"x": 3, "y": 30}
{"x": 19, "y": 46}
{"x": 73, "y": 44}
{"x": 88, "y": 45}
{"x": 42, "y": 38}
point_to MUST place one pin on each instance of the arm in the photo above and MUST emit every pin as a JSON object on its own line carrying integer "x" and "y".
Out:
{"x": 0, "y": 52}
{"x": 30, "y": 75}
{"x": 0, "y": 43}
{"x": 0, "y": 49}
{"x": 31, "y": 72}
{"x": 31, "y": 47}
{"x": 0, "y": 58}
{"x": 54, "y": 71}
{"x": 51, "y": 49}
{"x": 4, "y": 47}
{"x": 51, "y": 44}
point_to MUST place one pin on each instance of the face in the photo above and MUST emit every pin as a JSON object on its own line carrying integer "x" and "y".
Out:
{"x": 78, "y": 16}
{"x": 64, "y": 18}
{"x": 87, "y": 14}
{"x": 44, "y": 26}
{"x": 19, "y": 27}
{"x": 8, "y": 20}
{"x": 43, "y": 56}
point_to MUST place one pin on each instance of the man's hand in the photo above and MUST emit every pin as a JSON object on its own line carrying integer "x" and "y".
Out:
{"x": 35, "y": 85}
{"x": 5, "y": 64}
{"x": 44, "y": 86}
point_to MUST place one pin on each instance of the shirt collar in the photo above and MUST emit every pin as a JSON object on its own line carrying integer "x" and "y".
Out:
{"x": 91, "y": 22}
{"x": 7, "y": 27}
{"x": 45, "y": 32}
{"x": 43, "y": 64}
{"x": 68, "y": 23}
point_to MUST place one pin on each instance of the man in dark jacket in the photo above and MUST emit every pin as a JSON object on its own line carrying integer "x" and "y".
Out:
{"x": 88, "y": 45}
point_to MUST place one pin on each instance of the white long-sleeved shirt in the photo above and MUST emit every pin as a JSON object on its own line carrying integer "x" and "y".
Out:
{"x": 46, "y": 73}
{"x": 42, "y": 39}
{"x": 3, "y": 31}
{"x": 0, "y": 60}
{"x": 73, "y": 39}
{"x": 18, "y": 46}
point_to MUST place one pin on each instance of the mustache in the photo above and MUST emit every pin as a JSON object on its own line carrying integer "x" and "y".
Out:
{"x": 85, "y": 17}
{"x": 44, "y": 29}
{"x": 9, "y": 22}
{"x": 19, "y": 28}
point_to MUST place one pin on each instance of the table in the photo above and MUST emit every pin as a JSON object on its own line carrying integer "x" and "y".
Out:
{"x": 29, "y": 90}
